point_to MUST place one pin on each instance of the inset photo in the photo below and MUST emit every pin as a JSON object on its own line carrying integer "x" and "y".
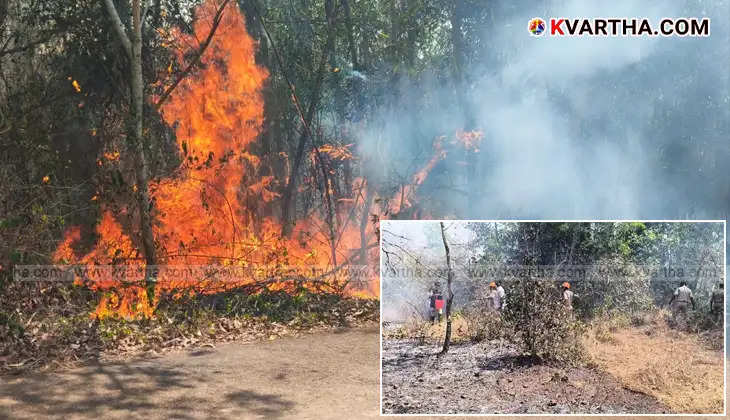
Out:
{"x": 552, "y": 317}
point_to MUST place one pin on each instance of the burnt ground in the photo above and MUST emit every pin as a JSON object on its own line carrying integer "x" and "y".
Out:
{"x": 491, "y": 378}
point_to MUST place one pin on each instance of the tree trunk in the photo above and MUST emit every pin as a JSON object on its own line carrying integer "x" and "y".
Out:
{"x": 137, "y": 138}
{"x": 135, "y": 132}
{"x": 457, "y": 41}
{"x": 350, "y": 35}
{"x": 289, "y": 196}
{"x": 470, "y": 156}
{"x": 450, "y": 293}
{"x": 369, "y": 195}
{"x": 354, "y": 113}
{"x": 411, "y": 33}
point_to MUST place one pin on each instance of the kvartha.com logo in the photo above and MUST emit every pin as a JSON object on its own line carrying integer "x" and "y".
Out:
{"x": 692, "y": 27}
{"x": 536, "y": 26}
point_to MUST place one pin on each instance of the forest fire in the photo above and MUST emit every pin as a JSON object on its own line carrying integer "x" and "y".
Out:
{"x": 209, "y": 212}
{"x": 215, "y": 208}
{"x": 470, "y": 140}
{"x": 403, "y": 198}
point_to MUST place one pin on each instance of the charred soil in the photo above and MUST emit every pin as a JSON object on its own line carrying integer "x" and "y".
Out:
{"x": 491, "y": 377}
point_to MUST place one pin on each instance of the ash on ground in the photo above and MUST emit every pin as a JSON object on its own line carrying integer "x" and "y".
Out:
{"x": 492, "y": 378}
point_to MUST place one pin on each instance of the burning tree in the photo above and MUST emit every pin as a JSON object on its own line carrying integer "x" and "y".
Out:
{"x": 133, "y": 49}
{"x": 216, "y": 200}
{"x": 217, "y": 112}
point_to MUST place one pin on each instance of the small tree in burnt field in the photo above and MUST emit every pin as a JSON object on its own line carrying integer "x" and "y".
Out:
{"x": 543, "y": 327}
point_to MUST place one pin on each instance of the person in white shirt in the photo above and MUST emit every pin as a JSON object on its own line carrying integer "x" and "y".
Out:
{"x": 494, "y": 299}
{"x": 683, "y": 297}
{"x": 568, "y": 296}
{"x": 502, "y": 296}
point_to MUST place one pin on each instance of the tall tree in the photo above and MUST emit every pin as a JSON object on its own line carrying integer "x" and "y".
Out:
{"x": 289, "y": 196}
{"x": 135, "y": 131}
{"x": 449, "y": 291}
{"x": 135, "y": 126}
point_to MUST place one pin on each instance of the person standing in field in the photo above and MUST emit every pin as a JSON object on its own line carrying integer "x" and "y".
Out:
{"x": 494, "y": 301}
{"x": 568, "y": 296}
{"x": 717, "y": 303}
{"x": 502, "y": 296}
{"x": 683, "y": 297}
{"x": 436, "y": 303}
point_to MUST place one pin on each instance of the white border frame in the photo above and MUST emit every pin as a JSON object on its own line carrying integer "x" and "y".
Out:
{"x": 724, "y": 338}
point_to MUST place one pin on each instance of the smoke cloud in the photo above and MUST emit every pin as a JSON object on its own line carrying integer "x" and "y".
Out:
{"x": 573, "y": 127}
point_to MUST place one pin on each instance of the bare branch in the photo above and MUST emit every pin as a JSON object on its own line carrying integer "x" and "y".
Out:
{"x": 450, "y": 295}
{"x": 119, "y": 27}
{"x": 24, "y": 47}
{"x": 196, "y": 59}
{"x": 145, "y": 10}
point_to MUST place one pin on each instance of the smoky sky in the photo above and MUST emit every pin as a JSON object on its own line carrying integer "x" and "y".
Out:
{"x": 574, "y": 128}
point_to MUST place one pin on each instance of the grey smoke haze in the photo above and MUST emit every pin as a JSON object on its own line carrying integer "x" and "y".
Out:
{"x": 574, "y": 127}
{"x": 413, "y": 256}
{"x": 406, "y": 296}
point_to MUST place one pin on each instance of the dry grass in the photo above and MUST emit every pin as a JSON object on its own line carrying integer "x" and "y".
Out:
{"x": 459, "y": 330}
{"x": 674, "y": 367}
{"x": 425, "y": 331}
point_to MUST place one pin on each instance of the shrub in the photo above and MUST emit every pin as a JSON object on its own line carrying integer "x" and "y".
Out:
{"x": 483, "y": 324}
{"x": 699, "y": 320}
{"x": 542, "y": 326}
{"x": 617, "y": 287}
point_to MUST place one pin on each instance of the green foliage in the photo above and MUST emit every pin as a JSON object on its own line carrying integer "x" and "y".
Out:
{"x": 633, "y": 257}
{"x": 306, "y": 308}
{"x": 12, "y": 327}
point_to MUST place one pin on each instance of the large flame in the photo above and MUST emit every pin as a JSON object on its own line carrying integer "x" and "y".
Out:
{"x": 212, "y": 210}
{"x": 209, "y": 212}
{"x": 217, "y": 114}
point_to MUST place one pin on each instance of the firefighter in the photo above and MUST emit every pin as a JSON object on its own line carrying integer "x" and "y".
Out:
{"x": 568, "y": 296}
{"x": 717, "y": 302}
{"x": 502, "y": 295}
{"x": 494, "y": 301}
{"x": 436, "y": 303}
{"x": 683, "y": 296}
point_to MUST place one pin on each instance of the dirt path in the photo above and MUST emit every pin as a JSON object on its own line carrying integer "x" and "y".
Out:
{"x": 319, "y": 376}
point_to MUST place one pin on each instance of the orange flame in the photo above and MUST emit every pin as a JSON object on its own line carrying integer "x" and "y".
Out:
{"x": 470, "y": 140}
{"x": 403, "y": 199}
{"x": 210, "y": 212}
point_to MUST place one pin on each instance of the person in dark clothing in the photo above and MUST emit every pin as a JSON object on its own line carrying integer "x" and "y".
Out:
{"x": 436, "y": 303}
{"x": 717, "y": 303}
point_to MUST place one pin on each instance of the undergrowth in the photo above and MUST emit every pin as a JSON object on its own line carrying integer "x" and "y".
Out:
{"x": 42, "y": 326}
